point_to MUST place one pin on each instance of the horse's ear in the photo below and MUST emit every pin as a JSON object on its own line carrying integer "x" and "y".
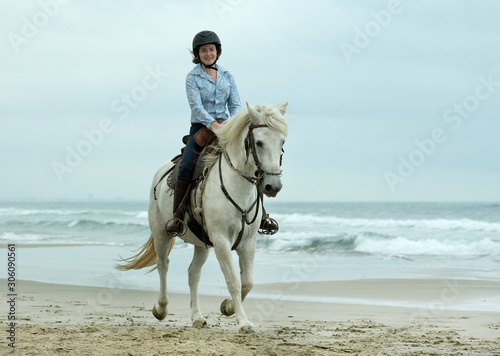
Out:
{"x": 282, "y": 108}
{"x": 254, "y": 115}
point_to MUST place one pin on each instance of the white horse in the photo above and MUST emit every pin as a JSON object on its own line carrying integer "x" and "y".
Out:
{"x": 247, "y": 165}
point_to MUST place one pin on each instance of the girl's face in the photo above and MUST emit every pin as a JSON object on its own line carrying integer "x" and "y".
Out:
{"x": 208, "y": 54}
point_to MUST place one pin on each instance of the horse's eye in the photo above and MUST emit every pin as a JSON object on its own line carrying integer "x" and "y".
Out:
{"x": 259, "y": 143}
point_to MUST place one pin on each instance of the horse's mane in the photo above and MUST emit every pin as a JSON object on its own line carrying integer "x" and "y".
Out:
{"x": 230, "y": 133}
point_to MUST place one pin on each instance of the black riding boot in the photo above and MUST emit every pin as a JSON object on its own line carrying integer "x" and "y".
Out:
{"x": 268, "y": 226}
{"x": 176, "y": 225}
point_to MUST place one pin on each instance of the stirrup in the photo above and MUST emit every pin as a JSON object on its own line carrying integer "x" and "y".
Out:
{"x": 265, "y": 224}
{"x": 175, "y": 233}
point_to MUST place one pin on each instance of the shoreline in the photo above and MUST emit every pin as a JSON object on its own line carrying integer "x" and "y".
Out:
{"x": 437, "y": 293}
{"x": 64, "y": 319}
{"x": 467, "y": 295}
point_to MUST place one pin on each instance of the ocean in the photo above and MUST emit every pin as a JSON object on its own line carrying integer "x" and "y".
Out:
{"x": 78, "y": 242}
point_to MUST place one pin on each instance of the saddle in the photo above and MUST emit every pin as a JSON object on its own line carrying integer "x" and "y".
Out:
{"x": 207, "y": 139}
{"x": 204, "y": 138}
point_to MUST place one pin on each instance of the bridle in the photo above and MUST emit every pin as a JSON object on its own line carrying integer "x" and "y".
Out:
{"x": 259, "y": 175}
{"x": 250, "y": 148}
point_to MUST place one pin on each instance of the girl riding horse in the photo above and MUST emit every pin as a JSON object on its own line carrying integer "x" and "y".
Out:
{"x": 210, "y": 89}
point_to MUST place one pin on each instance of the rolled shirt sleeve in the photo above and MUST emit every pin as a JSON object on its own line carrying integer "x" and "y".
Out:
{"x": 233, "y": 103}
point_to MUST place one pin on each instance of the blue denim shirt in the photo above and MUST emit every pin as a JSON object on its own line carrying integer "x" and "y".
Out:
{"x": 208, "y": 100}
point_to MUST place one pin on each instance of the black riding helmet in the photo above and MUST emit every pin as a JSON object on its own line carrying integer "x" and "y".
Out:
{"x": 203, "y": 38}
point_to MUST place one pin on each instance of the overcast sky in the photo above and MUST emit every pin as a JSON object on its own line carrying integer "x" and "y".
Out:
{"x": 388, "y": 100}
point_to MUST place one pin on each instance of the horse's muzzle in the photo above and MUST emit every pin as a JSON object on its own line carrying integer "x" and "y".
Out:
{"x": 271, "y": 190}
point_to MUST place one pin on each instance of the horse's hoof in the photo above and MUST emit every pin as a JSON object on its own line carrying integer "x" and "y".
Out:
{"x": 247, "y": 329}
{"x": 158, "y": 315}
{"x": 227, "y": 307}
{"x": 200, "y": 323}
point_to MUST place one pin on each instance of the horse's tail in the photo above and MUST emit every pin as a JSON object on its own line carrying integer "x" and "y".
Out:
{"x": 144, "y": 258}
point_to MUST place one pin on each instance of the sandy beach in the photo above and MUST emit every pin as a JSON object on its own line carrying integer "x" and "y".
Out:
{"x": 55, "y": 319}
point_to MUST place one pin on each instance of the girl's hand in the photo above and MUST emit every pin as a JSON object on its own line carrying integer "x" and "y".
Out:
{"x": 216, "y": 125}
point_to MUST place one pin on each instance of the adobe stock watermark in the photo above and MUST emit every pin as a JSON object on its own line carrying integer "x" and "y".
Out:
{"x": 451, "y": 291}
{"x": 454, "y": 117}
{"x": 223, "y": 7}
{"x": 303, "y": 272}
{"x": 104, "y": 296}
{"x": 122, "y": 106}
{"x": 363, "y": 36}
{"x": 31, "y": 27}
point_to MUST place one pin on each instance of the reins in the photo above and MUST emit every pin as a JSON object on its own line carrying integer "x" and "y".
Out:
{"x": 252, "y": 180}
{"x": 259, "y": 175}
{"x": 244, "y": 213}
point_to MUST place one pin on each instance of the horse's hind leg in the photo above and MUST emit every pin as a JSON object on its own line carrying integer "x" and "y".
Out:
{"x": 162, "y": 241}
{"x": 199, "y": 258}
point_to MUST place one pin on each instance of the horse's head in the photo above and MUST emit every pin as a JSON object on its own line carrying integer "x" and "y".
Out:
{"x": 266, "y": 136}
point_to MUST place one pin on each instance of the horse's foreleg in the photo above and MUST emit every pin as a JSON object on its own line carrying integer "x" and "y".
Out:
{"x": 199, "y": 258}
{"x": 161, "y": 247}
{"x": 223, "y": 253}
{"x": 246, "y": 258}
{"x": 246, "y": 266}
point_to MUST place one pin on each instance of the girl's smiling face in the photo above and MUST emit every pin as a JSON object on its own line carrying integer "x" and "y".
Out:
{"x": 208, "y": 54}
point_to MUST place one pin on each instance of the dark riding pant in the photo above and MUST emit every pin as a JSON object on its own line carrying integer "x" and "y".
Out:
{"x": 191, "y": 153}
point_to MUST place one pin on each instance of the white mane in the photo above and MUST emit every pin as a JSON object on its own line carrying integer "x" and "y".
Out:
{"x": 231, "y": 132}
